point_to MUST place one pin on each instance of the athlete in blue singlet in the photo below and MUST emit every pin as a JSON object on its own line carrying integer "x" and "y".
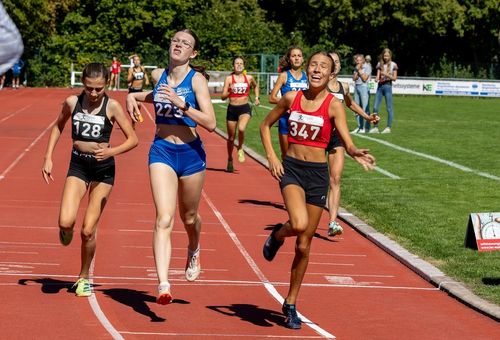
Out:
{"x": 294, "y": 79}
{"x": 177, "y": 159}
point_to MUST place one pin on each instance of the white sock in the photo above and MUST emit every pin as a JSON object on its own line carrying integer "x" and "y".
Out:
{"x": 163, "y": 285}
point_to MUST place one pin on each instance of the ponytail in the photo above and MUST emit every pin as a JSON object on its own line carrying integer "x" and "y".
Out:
{"x": 202, "y": 70}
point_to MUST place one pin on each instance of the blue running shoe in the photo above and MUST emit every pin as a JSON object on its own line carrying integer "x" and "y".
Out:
{"x": 65, "y": 237}
{"x": 272, "y": 245}
{"x": 292, "y": 320}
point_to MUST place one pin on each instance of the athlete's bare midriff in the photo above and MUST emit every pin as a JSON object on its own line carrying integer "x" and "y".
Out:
{"x": 88, "y": 147}
{"x": 306, "y": 153}
{"x": 177, "y": 134}
{"x": 238, "y": 100}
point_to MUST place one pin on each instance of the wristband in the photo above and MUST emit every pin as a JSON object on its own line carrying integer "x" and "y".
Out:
{"x": 186, "y": 107}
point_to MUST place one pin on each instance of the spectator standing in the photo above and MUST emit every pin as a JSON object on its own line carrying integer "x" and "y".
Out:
{"x": 387, "y": 72}
{"x": 16, "y": 73}
{"x": 361, "y": 77}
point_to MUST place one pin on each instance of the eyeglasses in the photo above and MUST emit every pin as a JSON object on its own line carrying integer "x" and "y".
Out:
{"x": 184, "y": 43}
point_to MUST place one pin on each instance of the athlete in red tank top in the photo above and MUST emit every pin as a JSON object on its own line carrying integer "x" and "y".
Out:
{"x": 241, "y": 89}
{"x": 309, "y": 128}
{"x": 303, "y": 174}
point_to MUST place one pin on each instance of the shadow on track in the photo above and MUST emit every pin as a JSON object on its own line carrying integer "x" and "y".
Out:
{"x": 251, "y": 313}
{"x": 136, "y": 300}
{"x": 50, "y": 286}
{"x": 264, "y": 203}
{"x": 316, "y": 234}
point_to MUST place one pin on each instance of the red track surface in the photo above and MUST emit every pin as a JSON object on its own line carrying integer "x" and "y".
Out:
{"x": 352, "y": 290}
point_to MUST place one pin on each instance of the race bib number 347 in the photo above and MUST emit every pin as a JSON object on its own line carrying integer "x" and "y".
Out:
{"x": 304, "y": 127}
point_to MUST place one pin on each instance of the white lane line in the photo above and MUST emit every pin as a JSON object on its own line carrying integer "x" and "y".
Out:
{"x": 226, "y": 335}
{"x": 135, "y": 204}
{"x": 32, "y": 263}
{"x": 317, "y": 285}
{"x": 26, "y": 227}
{"x": 265, "y": 107}
{"x": 151, "y": 230}
{"x": 182, "y": 282}
{"x": 14, "y": 113}
{"x": 94, "y": 304}
{"x": 386, "y": 173}
{"x": 13, "y": 164}
{"x": 332, "y": 264}
{"x": 270, "y": 288}
{"x": 18, "y": 252}
{"x": 357, "y": 275}
{"x": 30, "y": 243}
{"x": 31, "y": 201}
{"x": 433, "y": 158}
{"x": 380, "y": 170}
{"x": 173, "y": 248}
{"x": 175, "y": 269}
{"x": 150, "y": 116}
{"x": 328, "y": 254}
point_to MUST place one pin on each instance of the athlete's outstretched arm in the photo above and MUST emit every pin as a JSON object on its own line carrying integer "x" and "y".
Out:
{"x": 225, "y": 90}
{"x": 350, "y": 103}
{"x": 362, "y": 156}
{"x": 255, "y": 85}
{"x": 132, "y": 103}
{"x": 55, "y": 133}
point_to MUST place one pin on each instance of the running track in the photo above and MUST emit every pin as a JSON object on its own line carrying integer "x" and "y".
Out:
{"x": 352, "y": 290}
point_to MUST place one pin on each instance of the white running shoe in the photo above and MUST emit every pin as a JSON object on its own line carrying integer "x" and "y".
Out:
{"x": 334, "y": 228}
{"x": 193, "y": 266}
{"x": 374, "y": 130}
{"x": 355, "y": 131}
{"x": 362, "y": 131}
{"x": 386, "y": 130}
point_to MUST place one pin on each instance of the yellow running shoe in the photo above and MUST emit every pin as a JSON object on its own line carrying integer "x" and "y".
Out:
{"x": 83, "y": 287}
{"x": 241, "y": 155}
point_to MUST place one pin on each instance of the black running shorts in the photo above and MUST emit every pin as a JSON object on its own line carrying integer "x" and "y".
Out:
{"x": 310, "y": 176}
{"x": 89, "y": 169}
{"x": 235, "y": 111}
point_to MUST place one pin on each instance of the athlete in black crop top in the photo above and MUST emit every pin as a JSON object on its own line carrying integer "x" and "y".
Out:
{"x": 92, "y": 166}
{"x": 91, "y": 128}
{"x": 336, "y": 148}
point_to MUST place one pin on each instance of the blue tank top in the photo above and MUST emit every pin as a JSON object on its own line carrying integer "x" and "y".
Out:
{"x": 166, "y": 112}
{"x": 293, "y": 84}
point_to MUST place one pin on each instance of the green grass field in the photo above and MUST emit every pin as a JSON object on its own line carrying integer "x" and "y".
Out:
{"x": 427, "y": 209}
